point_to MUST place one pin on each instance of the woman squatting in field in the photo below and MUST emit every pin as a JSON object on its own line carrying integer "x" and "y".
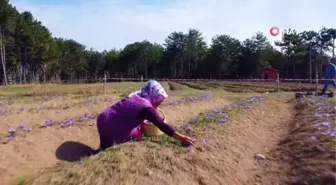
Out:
{"x": 116, "y": 123}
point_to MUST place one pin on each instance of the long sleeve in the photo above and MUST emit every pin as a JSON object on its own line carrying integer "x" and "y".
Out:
{"x": 151, "y": 115}
{"x": 330, "y": 72}
{"x": 327, "y": 72}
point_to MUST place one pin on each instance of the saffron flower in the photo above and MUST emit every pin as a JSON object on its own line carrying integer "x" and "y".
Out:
{"x": 48, "y": 123}
{"x": 11, "y": 131}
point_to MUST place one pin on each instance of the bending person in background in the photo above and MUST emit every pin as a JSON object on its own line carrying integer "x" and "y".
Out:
{"x": 116, "y": 123}
{"x": 330, "y": 77}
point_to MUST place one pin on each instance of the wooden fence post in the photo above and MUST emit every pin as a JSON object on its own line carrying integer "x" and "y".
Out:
{"x": 44, "y": 78}
{"x": 278, "y": 83}
{"x": 105, "y": 79}
{"x": 316, "y": 85}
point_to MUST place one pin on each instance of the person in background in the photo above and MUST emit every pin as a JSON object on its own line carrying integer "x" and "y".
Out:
{"x": 329, "y": 77}
{"x": 116, "y": 123}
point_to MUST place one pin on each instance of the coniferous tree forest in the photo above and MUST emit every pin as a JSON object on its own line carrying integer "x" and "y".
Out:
{"x": 29, "y": 53}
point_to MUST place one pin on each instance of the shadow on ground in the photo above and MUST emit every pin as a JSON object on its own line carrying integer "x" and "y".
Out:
{"x": 73, "y": 151}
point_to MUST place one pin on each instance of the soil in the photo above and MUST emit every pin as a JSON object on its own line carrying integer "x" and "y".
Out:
{"x": 228, "y": 158}
{"x": 44, "y": 148}
{"x": 310, "y": 162}
{"x": 277, "y": 129}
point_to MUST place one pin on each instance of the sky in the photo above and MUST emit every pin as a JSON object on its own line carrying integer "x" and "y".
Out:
{"x": 108, "y": 24}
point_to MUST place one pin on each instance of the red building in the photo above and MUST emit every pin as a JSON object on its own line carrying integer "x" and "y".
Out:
{"x": 268, "y": 73}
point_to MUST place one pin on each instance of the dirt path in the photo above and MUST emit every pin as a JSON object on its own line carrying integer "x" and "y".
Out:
{"x": 227, "y": 158}
{"x": 257, "y": 130}
{"x": 307, "y": 152}
{"x": 28, "y": 155}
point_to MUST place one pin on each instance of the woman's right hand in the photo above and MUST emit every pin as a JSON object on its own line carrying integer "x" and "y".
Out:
{"x": 185, "y": 140}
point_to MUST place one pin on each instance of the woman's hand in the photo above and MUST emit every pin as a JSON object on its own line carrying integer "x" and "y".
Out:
{"x": 185, "y": 140}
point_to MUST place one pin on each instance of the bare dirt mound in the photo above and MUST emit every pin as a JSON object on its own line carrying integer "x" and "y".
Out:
{"x": 308, "y": 150}
{"x": 43, "y": 148}
{"x": 256, "y": 131}
{"x": 225, "y": 155}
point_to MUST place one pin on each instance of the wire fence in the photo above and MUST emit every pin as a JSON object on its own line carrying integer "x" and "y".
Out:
{"x": 277, "y": 83}
{"x": 108, "y": 80}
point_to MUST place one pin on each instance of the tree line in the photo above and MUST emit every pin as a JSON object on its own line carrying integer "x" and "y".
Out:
{"x": 29, "y": 53}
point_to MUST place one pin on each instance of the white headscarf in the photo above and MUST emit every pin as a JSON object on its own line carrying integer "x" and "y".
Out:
{"x": 152, "y": 91}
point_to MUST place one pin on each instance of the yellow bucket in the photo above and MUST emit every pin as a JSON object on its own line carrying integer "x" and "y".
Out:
{"x": 150, "y": 129}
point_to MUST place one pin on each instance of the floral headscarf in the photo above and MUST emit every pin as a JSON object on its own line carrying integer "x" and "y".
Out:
{"x": 152, "y": 91}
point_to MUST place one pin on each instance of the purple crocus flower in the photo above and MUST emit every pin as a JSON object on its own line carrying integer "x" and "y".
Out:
{"x": 317, "y": 114}
{"x": 11, "y": 131}
{"x": 83, "y": 118}
{"x": 67, "y": 123}
{"x": 222, "y": 122}
{"x": 209, "y": 117}
{"x": 328, "y": 124}
{"x": 3, "y": 111}
{"x": 21, "y": 127}
{"x": 188, "y": 128}
{"x": 191, "y": 99}
{"x": 48, "y": 123}
{"x": 9, "y": 138}
{"x": 333, "y": 133}
{"x": 205, "y": 141}
{"x": 71, "y": 122}
{"x": 319, "y": 128}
